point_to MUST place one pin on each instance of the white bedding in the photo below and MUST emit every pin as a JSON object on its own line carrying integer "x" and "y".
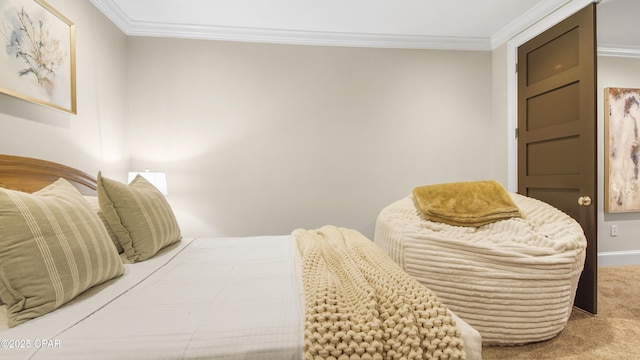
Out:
{"x": 224, "y": 298}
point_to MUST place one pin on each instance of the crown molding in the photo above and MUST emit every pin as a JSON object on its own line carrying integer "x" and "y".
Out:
{"x": 282, "y": 36}
{"x": 308, "y": 37}
{"x": 618, "y": 50}
{"x": 532, "y": 16}
{"x": 113, "y": 13}
{"x": 227, "y": 33}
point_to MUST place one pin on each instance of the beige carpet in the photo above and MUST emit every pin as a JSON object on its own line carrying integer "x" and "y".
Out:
{"x": 614, "y": 333}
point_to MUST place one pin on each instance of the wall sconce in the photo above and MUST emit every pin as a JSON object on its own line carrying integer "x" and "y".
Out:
{"x": 157, "y": 179}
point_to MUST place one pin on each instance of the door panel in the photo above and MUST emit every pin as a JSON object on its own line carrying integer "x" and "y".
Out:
{"x": 555, "y": 57}
{"x": 559, "y": 106}
{"x": 557, "y": 129}
{"x": 540, "y": 152}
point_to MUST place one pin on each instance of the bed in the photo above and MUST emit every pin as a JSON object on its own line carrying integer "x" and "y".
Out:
{"x": 210, "y": 298}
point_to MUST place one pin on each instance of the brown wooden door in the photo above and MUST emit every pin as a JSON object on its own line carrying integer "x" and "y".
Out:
{"x": 557, "y": 129}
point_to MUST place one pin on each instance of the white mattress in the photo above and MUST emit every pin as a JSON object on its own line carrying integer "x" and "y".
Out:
{"x": 223, "y": 298}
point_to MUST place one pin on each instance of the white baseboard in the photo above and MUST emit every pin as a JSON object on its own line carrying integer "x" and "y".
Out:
{"x": 619, "y": 258}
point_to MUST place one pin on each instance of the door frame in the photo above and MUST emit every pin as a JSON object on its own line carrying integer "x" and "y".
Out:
{"x": 564, "y": 11}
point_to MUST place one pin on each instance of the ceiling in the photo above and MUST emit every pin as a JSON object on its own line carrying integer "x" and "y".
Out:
{"x": 618, "y": 27}
{"x": 419, "y": 24}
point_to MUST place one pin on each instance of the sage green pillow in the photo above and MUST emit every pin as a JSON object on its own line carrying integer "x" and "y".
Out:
{"x": 53, "y": 247}
{"x": 139, "y": 216}
{"x": 93, "y": 201}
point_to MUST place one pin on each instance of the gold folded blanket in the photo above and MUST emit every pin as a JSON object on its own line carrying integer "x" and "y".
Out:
{"x": 474, "y": 203}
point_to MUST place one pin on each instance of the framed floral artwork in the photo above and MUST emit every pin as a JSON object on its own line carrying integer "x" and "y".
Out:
{"x": 37, "y": 63}
{"x": 622, "y": 150}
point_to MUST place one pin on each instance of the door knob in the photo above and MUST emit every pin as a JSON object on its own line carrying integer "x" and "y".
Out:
{"x": 584, "y": 201}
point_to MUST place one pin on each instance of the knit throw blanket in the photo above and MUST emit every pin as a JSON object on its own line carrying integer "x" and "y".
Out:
{"x": 360, "y": 305}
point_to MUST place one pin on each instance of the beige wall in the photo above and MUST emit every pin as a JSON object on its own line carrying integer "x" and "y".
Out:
{"x": 260, "y": 138}
{"x": 95, "y": 138}
{"x": 616, "y": 72}
{"x": 263, "y": 138}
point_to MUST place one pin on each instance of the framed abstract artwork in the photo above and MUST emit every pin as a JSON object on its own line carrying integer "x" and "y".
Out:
{"x": 37, "y": 61}
{"x": 622, "y": 150}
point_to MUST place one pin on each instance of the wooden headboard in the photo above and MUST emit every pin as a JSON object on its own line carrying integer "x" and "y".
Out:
{"x": 29, "y": 175}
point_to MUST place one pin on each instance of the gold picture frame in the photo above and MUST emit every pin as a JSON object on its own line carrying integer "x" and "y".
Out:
{"x": 622, "y": 150}
{"x": 38, "y": 61}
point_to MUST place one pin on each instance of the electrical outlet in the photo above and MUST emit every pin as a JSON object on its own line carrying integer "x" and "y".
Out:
{"x": 614, "y": 230}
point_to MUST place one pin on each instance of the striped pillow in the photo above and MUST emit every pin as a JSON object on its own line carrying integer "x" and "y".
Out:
{"x": 93, "y": 201}
{"x": 52, "y": 248}
{"x": 139, "y": 215}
